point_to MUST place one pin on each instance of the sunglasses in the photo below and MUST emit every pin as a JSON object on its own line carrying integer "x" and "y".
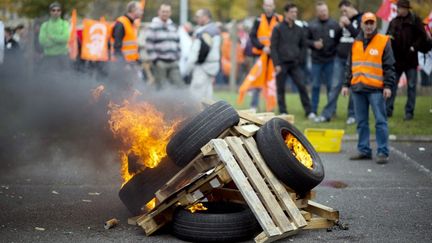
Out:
{"x": 55, "y": 10}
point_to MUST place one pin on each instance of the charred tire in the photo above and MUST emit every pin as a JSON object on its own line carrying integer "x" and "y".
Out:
{"x": 271, "y": 144}
{"x": 141, "y": 188}
{"x": 209, "y": 124}
{"x": 221, "y": 222}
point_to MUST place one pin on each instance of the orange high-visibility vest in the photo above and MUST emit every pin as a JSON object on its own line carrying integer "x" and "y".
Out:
{"x": 367, "y": 64}
{"x": 130, "y": 40}
{"x": 265, "y": 30}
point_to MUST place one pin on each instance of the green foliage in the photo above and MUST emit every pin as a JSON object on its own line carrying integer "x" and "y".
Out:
{"x": 38, "y": 8}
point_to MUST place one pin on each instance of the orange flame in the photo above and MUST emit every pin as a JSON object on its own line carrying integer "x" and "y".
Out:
{"x": 97, "y": 92}
{"x": 299, "y": 151}
{"x": 197, "y": 207}
{"x": 143, "y": 133}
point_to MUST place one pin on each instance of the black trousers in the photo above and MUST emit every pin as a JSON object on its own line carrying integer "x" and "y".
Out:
{"x": 296, "y": 74}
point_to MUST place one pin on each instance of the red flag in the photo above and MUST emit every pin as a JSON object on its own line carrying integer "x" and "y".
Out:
{"x": 387, "y": 10}
{"x": 73, "y": 37}
{"x": 263, "y": 76}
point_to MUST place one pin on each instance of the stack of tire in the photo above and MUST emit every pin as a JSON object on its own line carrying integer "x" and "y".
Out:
{"x": 227, "y": 222}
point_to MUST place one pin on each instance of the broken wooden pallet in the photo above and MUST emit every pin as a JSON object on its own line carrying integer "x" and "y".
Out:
{"x": 265, "y": 195}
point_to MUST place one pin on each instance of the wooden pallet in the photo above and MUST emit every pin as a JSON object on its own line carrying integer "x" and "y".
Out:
{"x": 234, "y": 156}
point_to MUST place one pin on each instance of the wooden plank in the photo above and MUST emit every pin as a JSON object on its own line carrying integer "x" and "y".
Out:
{"x": 259, "y": 184}
{"x": 306, "y": 215}
{"x": 251, "y": 111}
{"x": 245, "y": 188}
{"x": 207, "y": 150}
{"x": 250, "y": 117}
{"x": 322, "y": 211}
{"x": 277, "y": 187}
{"x": 133, "y": 220}
{"x": 162, "y": 213}
{"x": 263, "y": 238}
{"x": 247, "y": 130}
{"x": 319, "y": 223}
{"x": 243, "y": 122}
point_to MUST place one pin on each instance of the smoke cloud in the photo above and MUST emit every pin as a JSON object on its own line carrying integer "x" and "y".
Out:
{"x": 49, "y": 115}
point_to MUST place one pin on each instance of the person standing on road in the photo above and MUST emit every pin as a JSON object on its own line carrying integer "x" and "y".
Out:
{"x": 260, "y": 38}
{"x": 350, "y": 23}
{"x": 125, "y": 71}
{"x": 407, "y": 33}
{"x": 323, "y": 37}
{"x": 125, "y": 34}
{"x": 204, "y": 57}
{"x": 371, "y": 76}
{"x": 163, "y": 48}
{"x": 53, "y": 37}
{"x": 287, "y": 45}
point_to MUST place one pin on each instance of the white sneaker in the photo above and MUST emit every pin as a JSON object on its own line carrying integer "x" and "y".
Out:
{"x": 350, "y": 121}
{"x": 311, "y": 116}
{"x": 321, "y": 119}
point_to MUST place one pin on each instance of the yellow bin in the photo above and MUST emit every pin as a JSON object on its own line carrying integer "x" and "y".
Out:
{"x": 325, "y": 140}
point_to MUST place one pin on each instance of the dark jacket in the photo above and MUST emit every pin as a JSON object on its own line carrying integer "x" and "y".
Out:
{"x": 330, "y": 32}
{"x": 406, "y": 32}
{"x": 287, "y": 43}
{"x": 387, "y": 66}
{"x": 349, "y": 33}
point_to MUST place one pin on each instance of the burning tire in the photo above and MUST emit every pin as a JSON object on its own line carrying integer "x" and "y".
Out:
{"x": 221, "y": 222}
{"x": 207, "y": 125}
{"x": 272, "y": 143}
{"x": 141, "y": 188}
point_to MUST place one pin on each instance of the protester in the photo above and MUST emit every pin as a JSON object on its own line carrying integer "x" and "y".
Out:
{"x": 125, "y": 34}
{"x": 12, "y": 46}
{"x": 260, "y": 38}
{"x": 407, "y": 34}
{"x": 371, "y": 76}
{"x": 126, "y": 72}
{"x": 163, "y": 48}
{"x": 350, "y": 23}
{"x": 323, "y": 37}
{"x": 204, "y": 56}
{"x": 287, "y": 45}
{"x": 185, "y": 35}
{"x": 53, "y": 37}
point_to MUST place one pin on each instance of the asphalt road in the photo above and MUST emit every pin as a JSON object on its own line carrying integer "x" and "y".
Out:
{"x": 71, "y": 199}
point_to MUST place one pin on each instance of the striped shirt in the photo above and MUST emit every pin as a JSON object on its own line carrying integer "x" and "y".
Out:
{"x": 163, "y": 42}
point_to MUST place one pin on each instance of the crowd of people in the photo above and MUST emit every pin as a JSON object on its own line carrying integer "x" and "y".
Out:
{"x": 347, "y": 56}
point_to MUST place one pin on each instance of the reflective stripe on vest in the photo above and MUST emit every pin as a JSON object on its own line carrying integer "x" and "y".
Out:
{"x": 130, "y": 40}
{"x": 264, "y": 31}
{"x": 367, "y": 64}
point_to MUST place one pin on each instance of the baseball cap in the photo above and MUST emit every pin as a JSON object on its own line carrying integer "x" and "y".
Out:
{"x": 368, "y": 17}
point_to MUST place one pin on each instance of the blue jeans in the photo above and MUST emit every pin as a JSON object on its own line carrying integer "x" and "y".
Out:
{"x": 411, "y": 75}
{"x": 362, "y": 100}
{"x": 322, "y": 73}
{"x": 339, "y": 78}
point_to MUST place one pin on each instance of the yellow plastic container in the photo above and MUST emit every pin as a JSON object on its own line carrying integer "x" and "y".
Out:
{"x": 325, "y": 140}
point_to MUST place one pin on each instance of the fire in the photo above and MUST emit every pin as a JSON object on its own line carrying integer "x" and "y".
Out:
{"x": 197, "y": 207}
{"x": 299, "y": 151}
{"x": 143, "y": 133}
{"x": 150, "y": 205}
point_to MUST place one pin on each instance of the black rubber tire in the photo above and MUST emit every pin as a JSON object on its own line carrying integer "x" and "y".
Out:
{"x": 271, "y": 144}
{"x": 141, "y": 188}
{"x": 221, "y": 222}
{"x": 207, "y": 125}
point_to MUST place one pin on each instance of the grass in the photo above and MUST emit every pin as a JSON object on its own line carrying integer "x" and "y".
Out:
{"x": 421, "y": 125}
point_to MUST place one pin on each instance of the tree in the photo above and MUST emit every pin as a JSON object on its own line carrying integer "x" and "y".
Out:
{"x": 38, "y": 8}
